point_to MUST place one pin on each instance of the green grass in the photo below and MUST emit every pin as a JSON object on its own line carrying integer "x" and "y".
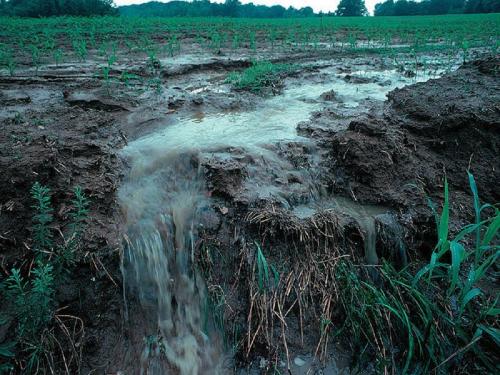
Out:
{"x": 260, "y": 76}
{"x": 422, "y": 322}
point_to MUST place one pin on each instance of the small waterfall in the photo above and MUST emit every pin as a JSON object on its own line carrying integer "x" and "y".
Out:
{"x": 161, "y": 201}
{"x": 377, "y": 224}
{"x": 164, "y": 194}
{"x": 364, "y": 215}
{"x": 367, "y": 226}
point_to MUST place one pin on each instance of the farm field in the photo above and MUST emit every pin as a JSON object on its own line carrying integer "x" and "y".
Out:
{"x": 250, "y": 196}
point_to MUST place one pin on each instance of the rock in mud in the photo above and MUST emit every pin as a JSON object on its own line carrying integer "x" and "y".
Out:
{"x": 357, "y": 79}
{"x": 197, "y": 100}
{"x": 329, "y": 96}
{"x": 224, "y": 177}
{"x": 299, "y": 362}
{"x": 323, "y": 124}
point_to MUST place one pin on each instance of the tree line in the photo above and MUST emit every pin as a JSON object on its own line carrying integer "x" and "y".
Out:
{"x": 205, "y": 8}
{"x": 47, "y": 8}
{"x": 234, "y": 8}
{"x": 433, "y": 7}
{"x": 179, "y": 8}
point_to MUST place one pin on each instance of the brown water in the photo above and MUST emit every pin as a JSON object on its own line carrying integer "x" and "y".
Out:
{"x": 364, "y": 215}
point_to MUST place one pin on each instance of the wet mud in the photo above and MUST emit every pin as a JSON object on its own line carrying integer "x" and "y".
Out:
{"x": 340, "y": 164}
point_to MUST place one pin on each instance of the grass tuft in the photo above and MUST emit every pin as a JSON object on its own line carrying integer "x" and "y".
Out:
{"x": 416, "y": 324}
{"x": 261, "y": 76}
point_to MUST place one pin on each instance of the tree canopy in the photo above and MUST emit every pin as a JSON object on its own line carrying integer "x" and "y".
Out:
{"x": 351, "y": 8}
{"x": 205, "y": 8}
{"x": 234, "y": 8}
{"x": 46, "y": 8}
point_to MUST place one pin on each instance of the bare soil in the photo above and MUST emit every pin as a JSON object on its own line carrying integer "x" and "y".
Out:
{"x": 63, "y": 129}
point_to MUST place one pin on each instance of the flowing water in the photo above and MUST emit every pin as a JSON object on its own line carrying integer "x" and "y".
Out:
{"x": 364, "y": 215}
{"x": 164, "y": 195}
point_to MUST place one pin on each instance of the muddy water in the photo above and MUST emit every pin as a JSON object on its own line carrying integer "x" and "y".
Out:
{"x": 164, "y": 194}
{"x": 161, "y": 205}
{"x": 364, "y": 215}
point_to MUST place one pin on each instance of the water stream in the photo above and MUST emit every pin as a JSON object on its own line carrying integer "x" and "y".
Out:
{"x": 164, "y": 195}
{"x": 364, "y": 215}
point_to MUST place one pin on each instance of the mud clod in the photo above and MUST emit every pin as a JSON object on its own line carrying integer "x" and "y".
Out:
{"x": 396, "y": 155}
{"x": 14, "y": 97}
{"x": 93, "y": 101}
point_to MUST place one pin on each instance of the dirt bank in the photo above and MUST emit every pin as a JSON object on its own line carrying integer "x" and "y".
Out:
{"x": 400, "y": 155}
{"x": 395, "y": 157}
{"x": 285, "y": 200}
{"x": 425, "y": 131}
{"x": 47, "y": 139}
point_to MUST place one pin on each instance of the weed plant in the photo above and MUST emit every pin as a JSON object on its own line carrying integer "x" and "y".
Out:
{"x": 28, "y": 291}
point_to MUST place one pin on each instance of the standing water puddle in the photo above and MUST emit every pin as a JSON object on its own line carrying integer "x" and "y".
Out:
{"x": 163, "y": 196}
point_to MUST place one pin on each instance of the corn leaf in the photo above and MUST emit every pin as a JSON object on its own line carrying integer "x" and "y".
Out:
{"x": 493, "y": 332}
{"x": 492, "y": 230}
{"x": 469, "y": 296}
{"x": 477, "y": 210}
{"x": 457, "y": 257}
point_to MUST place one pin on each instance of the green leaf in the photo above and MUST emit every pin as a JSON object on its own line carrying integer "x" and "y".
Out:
{"x": 6, "y": 349}
{"x": 492, "y": 230}
{"x": 426, "y": 269}
{"x": 444, "y": 219}
{"x": 457, "y": 257}
{"x": 477, "y": 210}
{"x": 275, "y": 274}
{"x": 494, "y": 310}
{"x": 483, "y": 268}
{"x": 469, "y": 296}
{"x": 262, "y": 270}
{"x": 493, "y": 332}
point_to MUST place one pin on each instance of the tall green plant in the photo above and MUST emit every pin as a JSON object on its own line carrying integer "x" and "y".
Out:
{"x": 29, "y": 299}
{"x": 484, "y": 251}
{"x": 31, "y": 305}
{"x": 265, "y": 271}
{"x": 42, "y": 234}
{"x": 262, "y": 270}
{"x": 433, "y": 318}
{"x": 32, "y": 300}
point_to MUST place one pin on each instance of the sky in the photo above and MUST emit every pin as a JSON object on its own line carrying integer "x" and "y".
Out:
{"x": 317, "y": 5}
